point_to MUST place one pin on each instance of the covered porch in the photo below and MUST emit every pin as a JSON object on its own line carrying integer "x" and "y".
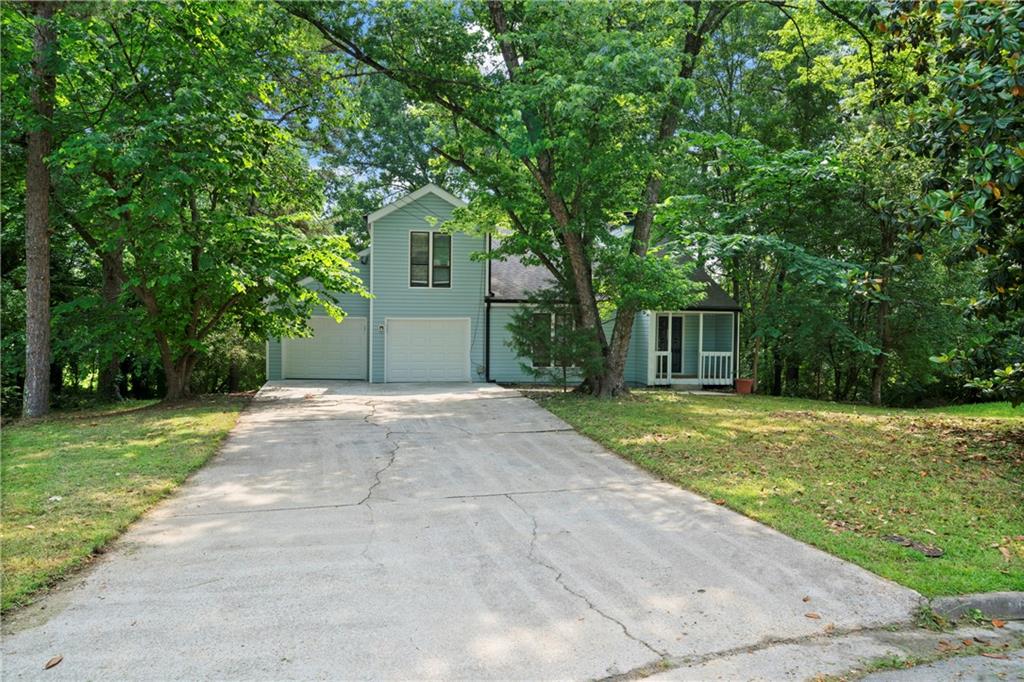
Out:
{"x": 693, "y": 348}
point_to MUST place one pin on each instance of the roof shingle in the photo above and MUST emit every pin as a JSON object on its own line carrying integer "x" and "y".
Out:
{"x": 513, "y": 281}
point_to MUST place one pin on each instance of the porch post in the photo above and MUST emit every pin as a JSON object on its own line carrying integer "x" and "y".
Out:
{"x": 700, "y": 349}
{"x": 652, "y": 343}
{"x": 735, "y": 346}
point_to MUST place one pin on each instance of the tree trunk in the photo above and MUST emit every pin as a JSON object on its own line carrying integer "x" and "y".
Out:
{"x": 37, "y": 215}
{"x": 234, "y": 376}
{"x": 613, "y": 381}
{"x": 107, "y": 384}
{"x": 878, "y": 369}
{"x": 888, "y": 244}
{"x": 178, "y": 374}
{"x": 756, "y": 365}
{"x": 776, "y": 371}
{"x": 792, "y": 376}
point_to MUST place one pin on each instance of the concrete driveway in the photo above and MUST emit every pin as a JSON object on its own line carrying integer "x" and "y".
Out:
{"x": 411, "y": 531}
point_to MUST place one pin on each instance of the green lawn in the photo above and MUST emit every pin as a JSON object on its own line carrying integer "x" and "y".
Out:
{"x": 840, "y": 477}
{"x": 106, "y": 466}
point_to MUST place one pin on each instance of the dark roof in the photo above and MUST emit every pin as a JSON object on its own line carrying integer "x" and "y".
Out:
{"x": 512, "y": 280}
{"x": 715, "y": 298}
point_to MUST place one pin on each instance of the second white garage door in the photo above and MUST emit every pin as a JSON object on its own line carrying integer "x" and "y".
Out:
{"x": 335, "y": 351}
{"x": 427, "y": 350}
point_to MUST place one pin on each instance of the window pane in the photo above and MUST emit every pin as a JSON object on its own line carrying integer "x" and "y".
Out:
{"x": 677, "y": 344}
{"x": 419, "y": 258}
{"x": 542, "y": 340}
{"x": 442, "y": 249}
{"x": 663, "y": 332}
{"x": 442, "y": 260}
{"x": 418, "y": 275}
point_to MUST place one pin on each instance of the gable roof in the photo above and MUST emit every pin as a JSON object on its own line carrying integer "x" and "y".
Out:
{"x": 430, "y": 188}
{"x": 512, "y": 281}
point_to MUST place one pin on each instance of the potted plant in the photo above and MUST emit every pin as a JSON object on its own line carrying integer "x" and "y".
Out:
{"x": 744, "y": 386}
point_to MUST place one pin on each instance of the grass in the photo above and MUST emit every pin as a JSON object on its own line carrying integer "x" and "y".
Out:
{"x": 840, "y": 477}
{"x": 73, "y": 482}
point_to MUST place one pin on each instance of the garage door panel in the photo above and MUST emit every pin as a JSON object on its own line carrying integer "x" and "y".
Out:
{"x": 335, "y": 351}
{"x": 427, "y": 350}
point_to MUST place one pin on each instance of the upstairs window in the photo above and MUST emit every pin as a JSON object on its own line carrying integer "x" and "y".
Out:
{"x": 430, "y": 259}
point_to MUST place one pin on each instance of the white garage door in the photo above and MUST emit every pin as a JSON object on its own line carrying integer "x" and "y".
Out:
{"x": 335, "y": 351}
{"x": 427, "y": 350}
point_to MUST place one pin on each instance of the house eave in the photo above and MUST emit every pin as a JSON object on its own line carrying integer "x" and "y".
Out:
{"x": 413, "y": 196}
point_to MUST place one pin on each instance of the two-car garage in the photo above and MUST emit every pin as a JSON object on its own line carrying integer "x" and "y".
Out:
{"x": 420, "y": 349}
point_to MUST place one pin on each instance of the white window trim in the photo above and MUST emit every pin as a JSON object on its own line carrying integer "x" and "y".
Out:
{"x": 430, "y": 260}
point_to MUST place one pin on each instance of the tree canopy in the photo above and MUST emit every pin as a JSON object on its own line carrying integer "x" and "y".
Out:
{"x": 849, "y": 172}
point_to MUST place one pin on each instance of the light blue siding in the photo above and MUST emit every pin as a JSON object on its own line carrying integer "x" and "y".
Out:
{"x": 273, "y": 360}
{"x": 636, "y": 360}
{"x": 717, "y": 332}
{"x": 353, "y": 304}
{"x": 691, "y": 337}
{"x": 394, "y": 298}
{"x": 506, "y": 367}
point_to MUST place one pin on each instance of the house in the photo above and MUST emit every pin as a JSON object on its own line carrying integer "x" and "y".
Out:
{"x": 439, "y": 315}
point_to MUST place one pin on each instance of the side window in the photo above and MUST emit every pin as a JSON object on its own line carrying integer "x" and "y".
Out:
{"x": 441, "y": 260}
{"x": 419, "y": 259}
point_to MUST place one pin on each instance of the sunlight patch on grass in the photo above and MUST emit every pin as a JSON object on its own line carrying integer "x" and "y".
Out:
{"x": 841, "y": 477}
{"x": 73, "y": 482}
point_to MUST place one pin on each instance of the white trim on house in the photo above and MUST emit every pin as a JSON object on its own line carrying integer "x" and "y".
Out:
{"x": 430, "y": 188}
{"x": 370, "y": 324}
{"x": 430, "y": 260}
{"x": 699, "y": 379}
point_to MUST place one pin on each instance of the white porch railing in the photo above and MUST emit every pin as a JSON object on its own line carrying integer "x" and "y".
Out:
{"x": 661, "y": 360}
{"x": 716, "y": 368}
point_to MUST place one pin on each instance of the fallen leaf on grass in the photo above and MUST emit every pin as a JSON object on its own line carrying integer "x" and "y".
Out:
{"x": 812, "y": 615}
{"x": 1000, "y": 656}
{"x": 53, "y": 661}
{"x": 719, "y": 501}
{"x": 946, "y": 645}
{"x": 928, "y": 550}
{"x": 997, "y": 623}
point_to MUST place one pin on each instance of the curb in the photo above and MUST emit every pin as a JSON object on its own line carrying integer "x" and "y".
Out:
{"x": 1004, "y": 605}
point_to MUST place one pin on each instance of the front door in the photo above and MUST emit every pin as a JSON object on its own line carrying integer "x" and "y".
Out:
{"x": 675, "y": 346}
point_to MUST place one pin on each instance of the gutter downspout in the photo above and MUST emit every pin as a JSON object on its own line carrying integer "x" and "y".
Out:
{"x": 487, "y": 318}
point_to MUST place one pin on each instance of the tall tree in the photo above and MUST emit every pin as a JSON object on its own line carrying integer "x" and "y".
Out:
{"x": 193, "y": 189}
{"x": 965, "y": 117}
{"x": 37, "y": 212}
{"x": 564, "y": 115}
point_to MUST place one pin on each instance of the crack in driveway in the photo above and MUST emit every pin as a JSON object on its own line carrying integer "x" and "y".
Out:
{"x": 532, "y": 556}
{"x": 365, "y": 502}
